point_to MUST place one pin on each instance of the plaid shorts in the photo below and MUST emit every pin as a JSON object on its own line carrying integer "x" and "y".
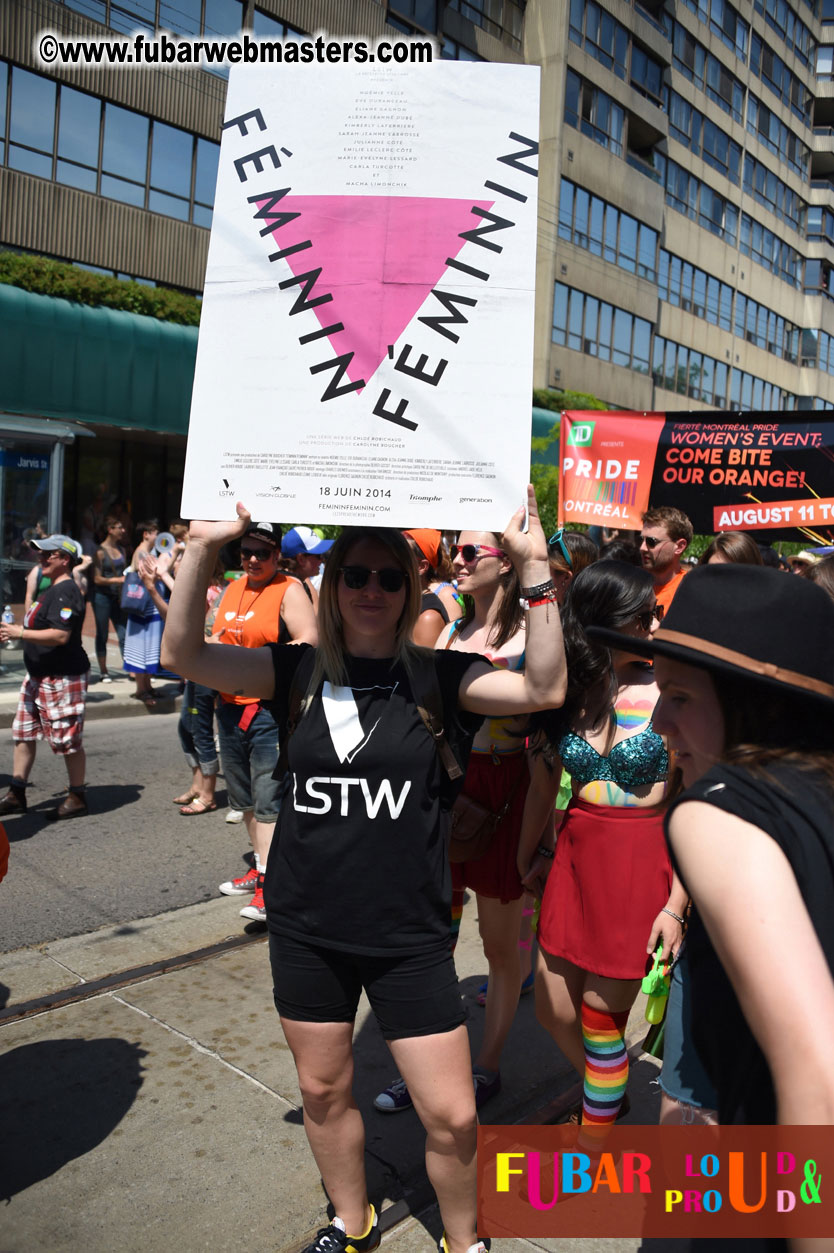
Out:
{"x": 53, "y": 710}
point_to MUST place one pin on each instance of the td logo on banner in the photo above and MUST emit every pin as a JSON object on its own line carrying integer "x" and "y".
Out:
{"x": 580, "y": 434}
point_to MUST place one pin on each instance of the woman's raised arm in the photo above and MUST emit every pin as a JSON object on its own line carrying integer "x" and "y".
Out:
{"x": 544, "y": 681}
{"x": 185, "y": 650}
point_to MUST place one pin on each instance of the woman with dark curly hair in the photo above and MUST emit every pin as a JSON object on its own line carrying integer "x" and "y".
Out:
{"x": 610, "y": 895}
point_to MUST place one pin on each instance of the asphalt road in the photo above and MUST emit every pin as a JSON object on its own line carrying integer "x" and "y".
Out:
{"x": 133, "y": 855}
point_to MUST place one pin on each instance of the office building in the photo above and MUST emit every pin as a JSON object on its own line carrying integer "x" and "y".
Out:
{"x": 686, "y": 216}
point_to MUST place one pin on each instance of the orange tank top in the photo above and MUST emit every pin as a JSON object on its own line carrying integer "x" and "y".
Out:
{"x": 249, "y": 618}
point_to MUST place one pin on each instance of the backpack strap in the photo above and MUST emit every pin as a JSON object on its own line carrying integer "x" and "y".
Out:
{"x": 298, "y": 687}
{"x": 427, "y": 697}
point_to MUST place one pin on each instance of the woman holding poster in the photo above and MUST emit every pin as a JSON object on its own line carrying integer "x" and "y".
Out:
{"x": 358, "y": 891}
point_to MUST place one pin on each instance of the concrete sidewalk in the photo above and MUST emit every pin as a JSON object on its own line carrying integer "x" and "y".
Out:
{"x": 148, "y": 1098}
{"x": 104, "y": 700}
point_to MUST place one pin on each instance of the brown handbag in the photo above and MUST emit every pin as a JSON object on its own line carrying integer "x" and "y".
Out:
{"x": 473, "y": 825}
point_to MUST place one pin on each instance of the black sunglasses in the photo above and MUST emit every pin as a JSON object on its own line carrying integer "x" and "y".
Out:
{"x": 260, "y": 554}
{"x": 646, "y": 617}
{"x": 650, "y": 541}
{"x": 390, "y": 578}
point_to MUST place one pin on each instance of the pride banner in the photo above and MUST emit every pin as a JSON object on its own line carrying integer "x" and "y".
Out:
{"x": 770, "y": 472}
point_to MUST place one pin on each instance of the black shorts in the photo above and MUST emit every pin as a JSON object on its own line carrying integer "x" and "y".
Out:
{"x": 412, "y": 995}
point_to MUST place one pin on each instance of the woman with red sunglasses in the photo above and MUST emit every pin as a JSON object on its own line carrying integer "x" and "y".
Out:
{"x": 358, "y": 892}
{"x": 498, "y": 777}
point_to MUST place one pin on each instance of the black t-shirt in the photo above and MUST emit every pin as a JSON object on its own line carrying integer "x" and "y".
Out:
{"x": 359, "y": 860}
{"x": 61, "y": 605}
{"x": 428, "y": 600}
{"x": 795, "y": 807}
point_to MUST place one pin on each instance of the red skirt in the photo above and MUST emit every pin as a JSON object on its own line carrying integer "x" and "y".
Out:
{"x": 610, "y": 878}
{"x": 488, "y": 781}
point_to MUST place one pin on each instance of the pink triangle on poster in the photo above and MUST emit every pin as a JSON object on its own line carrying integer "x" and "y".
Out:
{"x": 380, "y": 256}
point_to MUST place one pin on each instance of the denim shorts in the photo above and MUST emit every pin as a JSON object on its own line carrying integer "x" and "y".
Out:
{"x": 683, "y": 1076}
{"x": 196, "y": 728}
{"x": 249, "y": 758}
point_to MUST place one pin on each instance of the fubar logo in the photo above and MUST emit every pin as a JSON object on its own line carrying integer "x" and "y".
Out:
{"x": 581, "y": 434}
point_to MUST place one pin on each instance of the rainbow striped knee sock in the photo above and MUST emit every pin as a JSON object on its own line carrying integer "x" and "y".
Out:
{"x": 606, "y": 1065}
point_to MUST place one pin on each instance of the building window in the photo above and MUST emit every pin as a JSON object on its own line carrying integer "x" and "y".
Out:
{"x": 725, "y": 22}
{"x": 706, "y": 72}
{"x": 269, "y": 27}
{"x": 454, "y": 51}
{"x": 594, "y": 113}
{"x": 31, "y": 123}
{"x": 768, "y": 250}
{"x": 763, "y": 185}
{"x": 79, "y": 127}
{"x": 766, "y": 329}
{"x": 422, "y": 12}
{"x": 55, "y": 133}
{"x": 698, "y": 201}
{"x": 781, "y": 18}
{"x": 646, "y": 75}
{"x": 606, "y": 231}
{"x": 772, "y": 70}
{"x": 777, "y": 137}
{"x": 598, "y": 329}
{"x": 182, "y": 17}
{"x": 687, "y": 287}
{"x": 504, "y": 19}
{"x": 689, "y": 373}
{"x": 124, "y": 155}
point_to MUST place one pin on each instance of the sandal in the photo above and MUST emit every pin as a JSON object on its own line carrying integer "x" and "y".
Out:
{"x": 184, "y": 800}
{"x": 197, "y": 807}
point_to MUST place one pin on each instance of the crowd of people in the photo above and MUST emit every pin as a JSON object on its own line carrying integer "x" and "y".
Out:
{"x": 631, "y": 747}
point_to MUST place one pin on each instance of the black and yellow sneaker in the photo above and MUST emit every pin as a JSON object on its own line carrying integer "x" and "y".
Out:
{"x": 482, "y": 1246}
{"x": 334, "y": 1239}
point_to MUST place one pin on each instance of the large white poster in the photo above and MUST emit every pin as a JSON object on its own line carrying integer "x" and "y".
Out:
{"x": 366, "y": 343}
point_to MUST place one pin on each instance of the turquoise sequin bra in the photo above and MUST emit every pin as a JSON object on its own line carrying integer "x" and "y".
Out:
{"x": 635, "y": 762}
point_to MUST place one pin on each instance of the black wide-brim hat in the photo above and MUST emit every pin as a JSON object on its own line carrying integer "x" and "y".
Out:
{"x": 763, "y": 625}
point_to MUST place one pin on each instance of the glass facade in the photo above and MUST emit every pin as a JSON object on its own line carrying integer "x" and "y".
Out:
{"x": 65, "y": 135}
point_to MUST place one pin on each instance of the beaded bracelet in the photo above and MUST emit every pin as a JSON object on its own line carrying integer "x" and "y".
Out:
{"x": 547, "y": 853}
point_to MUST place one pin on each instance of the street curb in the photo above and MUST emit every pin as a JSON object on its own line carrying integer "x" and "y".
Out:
{"x": 117, "y": 707}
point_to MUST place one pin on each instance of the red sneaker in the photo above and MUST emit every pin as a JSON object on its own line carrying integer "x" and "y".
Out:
{"x": 242, "y": 886}
{"x": 256, "y": 909}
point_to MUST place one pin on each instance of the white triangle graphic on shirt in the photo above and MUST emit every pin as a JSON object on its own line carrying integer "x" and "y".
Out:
{"x": 342, "y": 716}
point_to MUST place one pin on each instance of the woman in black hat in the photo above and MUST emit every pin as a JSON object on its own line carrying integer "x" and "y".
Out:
{"x": 745, "y": 667}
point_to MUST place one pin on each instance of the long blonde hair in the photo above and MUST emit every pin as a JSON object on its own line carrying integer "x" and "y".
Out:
{"x": 330, "y": 652}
